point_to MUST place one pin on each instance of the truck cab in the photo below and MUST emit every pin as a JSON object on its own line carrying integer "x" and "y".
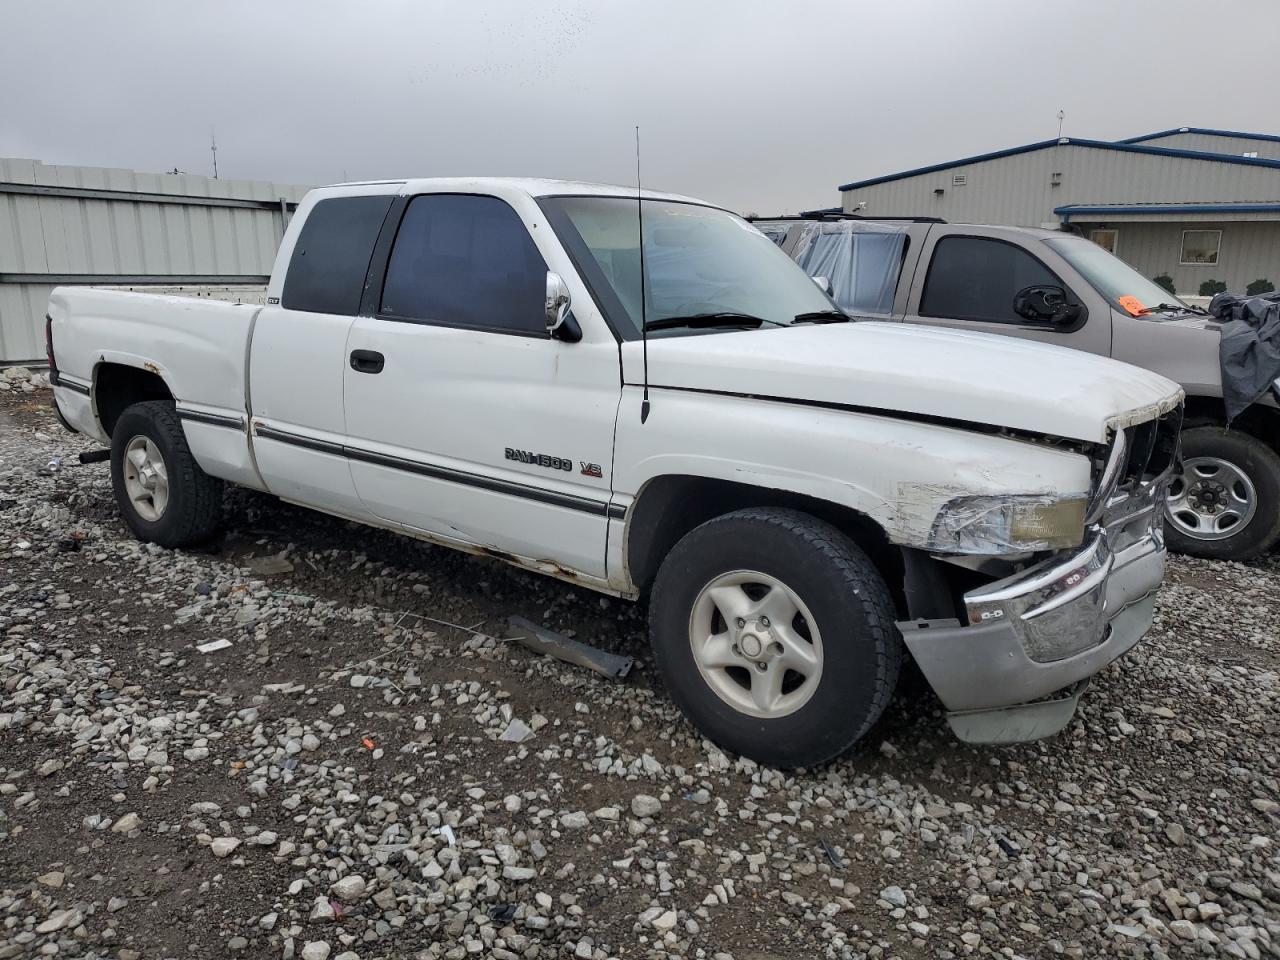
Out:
{"x": 1059, "y": 288}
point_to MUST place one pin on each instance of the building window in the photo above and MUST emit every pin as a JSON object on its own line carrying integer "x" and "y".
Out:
{"x": 1106, "y": 239}
{"x": 1200, "y": 247}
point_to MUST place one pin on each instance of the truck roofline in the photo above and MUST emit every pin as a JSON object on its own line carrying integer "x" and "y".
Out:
{"x": 532, "y": 186}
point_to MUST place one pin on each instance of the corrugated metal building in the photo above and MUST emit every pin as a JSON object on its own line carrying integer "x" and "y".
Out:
{"x": 93, "y": 225}
{"x": 1191, "y": 204}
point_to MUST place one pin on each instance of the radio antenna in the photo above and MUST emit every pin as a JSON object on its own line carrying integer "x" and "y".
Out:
{"x": 644, "y": 322}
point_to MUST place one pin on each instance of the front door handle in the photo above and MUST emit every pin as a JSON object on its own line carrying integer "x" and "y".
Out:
{"x": 367, "y": 361}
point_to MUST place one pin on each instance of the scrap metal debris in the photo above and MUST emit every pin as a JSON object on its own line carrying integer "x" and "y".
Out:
{"x": 213, "y": 645}
{"x": 557, "y": 645}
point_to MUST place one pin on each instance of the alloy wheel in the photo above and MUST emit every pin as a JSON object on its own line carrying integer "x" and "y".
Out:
{"x": 146, "y": 478}
{"x": 756, "y": 644}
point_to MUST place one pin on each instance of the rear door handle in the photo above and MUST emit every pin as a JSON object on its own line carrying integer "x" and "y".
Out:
{"x": 367, "y": 361}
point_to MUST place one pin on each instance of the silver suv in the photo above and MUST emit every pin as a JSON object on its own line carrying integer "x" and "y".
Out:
{"x": 1056, "y": 287}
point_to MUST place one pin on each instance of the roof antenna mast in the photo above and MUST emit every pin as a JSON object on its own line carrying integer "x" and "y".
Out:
{"x": 644, "y": 323}
{"x": 213, "y": 148}
{"x": 1062, "y": 115}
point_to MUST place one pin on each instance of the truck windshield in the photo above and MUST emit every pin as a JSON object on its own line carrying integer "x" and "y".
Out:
{"x": 1125, "y": 287}
{"x": 698, "y": 262}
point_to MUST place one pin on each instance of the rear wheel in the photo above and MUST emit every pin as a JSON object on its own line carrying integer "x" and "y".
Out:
{"x": 1225, "y": 502}
{"x": 163, "y": 494}
{"x": 775, "y": 634}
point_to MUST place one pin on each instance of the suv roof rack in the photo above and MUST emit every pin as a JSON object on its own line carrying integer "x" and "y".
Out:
{"x": 829, "y": 215}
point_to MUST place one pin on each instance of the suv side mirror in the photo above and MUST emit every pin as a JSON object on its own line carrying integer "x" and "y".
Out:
{"x": 1044, "y": 303}
{"x": 561, "y": 324}
{"x": 823, "y": 284}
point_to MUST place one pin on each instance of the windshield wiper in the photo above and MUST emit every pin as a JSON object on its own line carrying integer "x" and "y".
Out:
{"x": 1166, "y": 308}
{"x": 821, "y": 316}
{"x": 726, "y": 318}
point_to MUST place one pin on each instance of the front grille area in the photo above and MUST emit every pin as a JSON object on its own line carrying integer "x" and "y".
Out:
{"x": 1133, "y": 509}
{"x": 1152, "y": 446}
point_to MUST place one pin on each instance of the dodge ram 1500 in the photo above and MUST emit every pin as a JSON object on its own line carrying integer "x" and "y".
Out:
{"x": 803, "y": 500}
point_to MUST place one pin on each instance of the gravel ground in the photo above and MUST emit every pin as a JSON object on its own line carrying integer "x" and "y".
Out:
{"x": 348, "y": 778}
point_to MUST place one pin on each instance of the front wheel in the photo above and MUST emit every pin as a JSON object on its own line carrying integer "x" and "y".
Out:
{"x": 163, "y": 494}
{"x": 775, "y": 634}
{"x": 1225, "y": 502}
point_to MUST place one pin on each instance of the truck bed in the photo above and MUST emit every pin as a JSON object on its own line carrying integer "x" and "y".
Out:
{"x": 198, "y": 347}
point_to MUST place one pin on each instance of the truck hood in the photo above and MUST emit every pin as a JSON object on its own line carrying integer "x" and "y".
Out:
{"x": 953, "y": 375}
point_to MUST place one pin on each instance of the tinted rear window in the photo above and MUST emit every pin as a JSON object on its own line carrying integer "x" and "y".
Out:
{"x": 330, "y": 260}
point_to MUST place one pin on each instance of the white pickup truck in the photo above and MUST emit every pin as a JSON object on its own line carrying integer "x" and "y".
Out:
{"x": 801, "y": 498}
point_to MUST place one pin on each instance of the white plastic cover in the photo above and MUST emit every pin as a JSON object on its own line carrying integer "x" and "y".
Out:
{"x": 775, "y": 231}
{"x": 862, "y": 261}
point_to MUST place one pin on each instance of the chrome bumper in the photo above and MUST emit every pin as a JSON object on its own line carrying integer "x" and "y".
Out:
{"x": 1047, "y": 629}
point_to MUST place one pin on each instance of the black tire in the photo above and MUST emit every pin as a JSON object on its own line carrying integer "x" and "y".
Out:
{"x": 861, "y": 645}
{"x": 194, "y": 504}
{"x": 1257, "y": 461}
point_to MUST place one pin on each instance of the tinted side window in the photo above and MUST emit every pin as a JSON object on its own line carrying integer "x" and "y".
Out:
{"x": 466, "y": 261}
{"x": 330, "y": 260}
{"x": 974, "y": 279}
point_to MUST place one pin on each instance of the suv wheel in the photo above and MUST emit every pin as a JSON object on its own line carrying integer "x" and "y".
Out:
{"x": 1225, "y": 502}
{"x": 163, "y": 494}
{"x": 775, "y": 634}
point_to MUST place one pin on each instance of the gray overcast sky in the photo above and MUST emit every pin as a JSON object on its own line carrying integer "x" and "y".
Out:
{"x": 761, "y": 106}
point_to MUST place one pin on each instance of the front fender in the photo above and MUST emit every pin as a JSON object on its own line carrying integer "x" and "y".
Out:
{"x": 899, "y": 473}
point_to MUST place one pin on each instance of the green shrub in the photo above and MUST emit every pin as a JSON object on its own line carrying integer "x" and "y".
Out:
{"x": 1166, "y": 281}
{"x": 1211, "y": 287}
{"x": 1260, "y": 286}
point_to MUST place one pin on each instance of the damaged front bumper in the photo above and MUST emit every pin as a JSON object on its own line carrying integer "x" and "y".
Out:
{"x": 1016, "y": 671}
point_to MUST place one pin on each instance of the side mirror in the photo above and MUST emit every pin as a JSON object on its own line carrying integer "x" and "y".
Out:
{"x": 823, "y": 284}
{"x": 561, "y": 324}
{"x": 1044, "y": 303}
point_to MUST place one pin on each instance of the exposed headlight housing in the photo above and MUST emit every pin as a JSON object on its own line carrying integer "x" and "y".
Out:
{"x": 1024, "y": 523}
